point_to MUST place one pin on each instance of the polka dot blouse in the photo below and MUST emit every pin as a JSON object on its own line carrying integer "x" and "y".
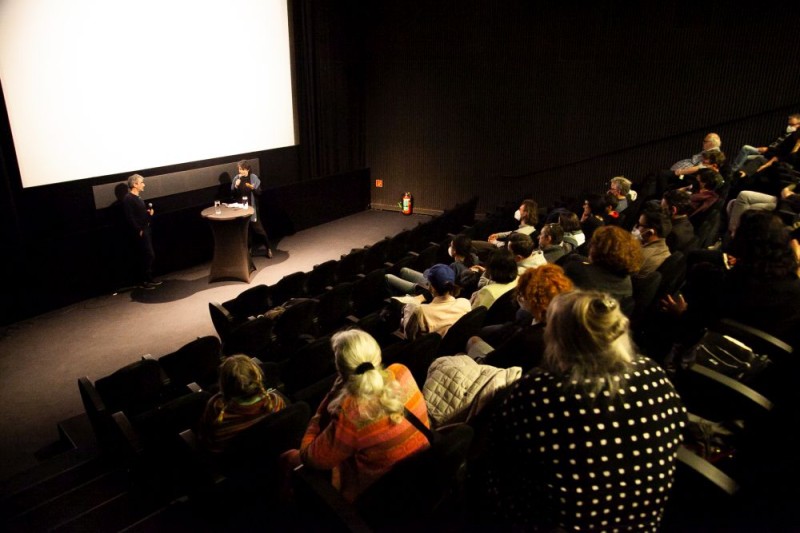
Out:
{"x": 560, "y": 456}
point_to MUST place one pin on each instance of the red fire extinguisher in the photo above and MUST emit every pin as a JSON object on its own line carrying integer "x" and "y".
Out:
{"x": 408, "y": 204}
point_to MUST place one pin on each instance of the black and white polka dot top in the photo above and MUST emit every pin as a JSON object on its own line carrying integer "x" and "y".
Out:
{"x": 562, "y": 457}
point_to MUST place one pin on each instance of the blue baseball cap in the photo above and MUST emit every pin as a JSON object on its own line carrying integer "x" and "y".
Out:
{"x": 439, "y": 276}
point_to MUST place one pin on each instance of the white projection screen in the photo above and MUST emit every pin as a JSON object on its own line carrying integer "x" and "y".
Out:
{"x": 101, "y": 87}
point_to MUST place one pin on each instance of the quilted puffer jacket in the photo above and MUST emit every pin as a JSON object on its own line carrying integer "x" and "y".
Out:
{"x": 457, "y": 387}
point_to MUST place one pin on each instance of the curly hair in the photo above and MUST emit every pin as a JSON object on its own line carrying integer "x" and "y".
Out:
{"x": 761, "y": 247}
{"x": 538, "y": 286}
{"x": 616, "y": 250}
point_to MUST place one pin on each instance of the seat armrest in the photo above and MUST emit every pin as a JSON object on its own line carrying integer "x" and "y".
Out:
{"x": 126, "y": 432}
{"x": 91, "y": 398}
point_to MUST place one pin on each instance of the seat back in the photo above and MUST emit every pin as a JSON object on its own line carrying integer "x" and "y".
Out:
{"x": 197, "y": 361}
{"x": 421, "y": 482}
{"x": 134, "y": 388}
{"x": 255, "y": 338}
{"x": 322, "y": 276}
{"x": 308, "y": 365}
{"x": 333, "y": 307}
{"x": 375, "y": 256}
{"x": 417, "y": 355}
{"x": 427, "y": 257}
{"x": 251, "y": 457}
{"x": 504, "y": 309}
{"x": 369, "y": 292}
{"x": 673, "y": 274}
{"x": 645, "y": 289}
{"x": 455, "y": 340}
{"x": 398, "y": 246}
{"x": 290, "y": 286}
{"x": 298, "y": 319}
{"x": 252, "y": 302}
{"x": 221, "y": 318}
{"x": 351, "y": 265}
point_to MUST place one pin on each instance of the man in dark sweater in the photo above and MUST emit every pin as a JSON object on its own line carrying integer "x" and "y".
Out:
{"x": 677, "y": 204}
{"x": 138, "y": 216}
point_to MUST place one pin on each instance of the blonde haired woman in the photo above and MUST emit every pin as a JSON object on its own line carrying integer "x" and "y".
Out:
{"x": 595, "y": 430}
{"x": 360, "y": 429}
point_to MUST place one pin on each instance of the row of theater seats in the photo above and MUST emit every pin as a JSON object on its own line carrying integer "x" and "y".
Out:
{"x": 733, "y": 469}
{"x": 147, "y": 411}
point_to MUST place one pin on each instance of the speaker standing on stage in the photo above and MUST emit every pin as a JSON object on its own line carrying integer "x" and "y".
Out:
{"x": 247, "y": 184}
{"x": 138, "y": 216}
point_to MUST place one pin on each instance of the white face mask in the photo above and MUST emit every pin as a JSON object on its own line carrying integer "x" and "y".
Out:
{"x": 451, "y": 252}
{"x": 637, "y": 234}
{"x": 517, "y": 215}
{"x": 791, "y": 129}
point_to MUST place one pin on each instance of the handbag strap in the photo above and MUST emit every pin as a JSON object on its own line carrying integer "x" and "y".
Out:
{"x": 417, "y": 423}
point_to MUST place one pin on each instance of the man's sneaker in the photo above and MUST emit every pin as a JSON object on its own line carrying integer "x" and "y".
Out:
{"x": 269, "y": 252}
{"x": 147, "y": 286}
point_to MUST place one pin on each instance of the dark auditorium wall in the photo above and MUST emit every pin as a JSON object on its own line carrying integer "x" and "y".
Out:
{"x": 504, "y": 97}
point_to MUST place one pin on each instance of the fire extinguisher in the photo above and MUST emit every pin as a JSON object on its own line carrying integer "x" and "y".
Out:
{"x": 408, "y": 204}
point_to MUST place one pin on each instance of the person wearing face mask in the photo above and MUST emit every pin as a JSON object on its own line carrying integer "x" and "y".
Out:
{"x": 649, "y": 231}
{"x": 752, "y": 157}
{"x": 460, "y": 250}
{"x": 527, "y": 215}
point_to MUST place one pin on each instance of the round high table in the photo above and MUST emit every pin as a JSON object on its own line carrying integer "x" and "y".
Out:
{"x": 232, "y": 259}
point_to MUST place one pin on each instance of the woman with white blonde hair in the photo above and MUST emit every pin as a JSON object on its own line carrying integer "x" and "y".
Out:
{"x": 595, "y": 429}
{"x": 362, "y": 427}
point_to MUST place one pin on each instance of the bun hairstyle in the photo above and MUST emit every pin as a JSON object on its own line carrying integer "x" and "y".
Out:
{"x": 240, "y": 378}
{"x": 358, "y": 360}
{"x": 587, "y": 340}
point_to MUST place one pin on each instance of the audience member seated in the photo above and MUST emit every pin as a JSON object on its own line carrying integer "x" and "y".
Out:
{"x": 359, "y": 430}
{"x": 527, "y": 215}
{"x": 704, "y": 194}
{"x": 620, "y": 187}
{"x": 524, "y": 345}
{"x": 748, "y": 154}
{"x": 501, "y": 276}
{"x": 442, "y": 312}
{"x": 711, "y": 143}
{"x": 589, "y": 441}
{"x": 241, "y": 401}
{"x": 675, "y": 176}
{"x": 769, "y": 177}
{"x": 758, "y": 286}
{"x": 678, "y": 204}
{"x": 650, "y": 231}
{"x": 457, "y": 388}
{"x": 598, "y": 211}
{"x": 751, "y": 200}
{"x": 550, "y": 239}
{"x": 614, "y": 254}
{"x": 463, "y": 258}
{"x": 521, "y": 246}
{"x": 573, "y": 234}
